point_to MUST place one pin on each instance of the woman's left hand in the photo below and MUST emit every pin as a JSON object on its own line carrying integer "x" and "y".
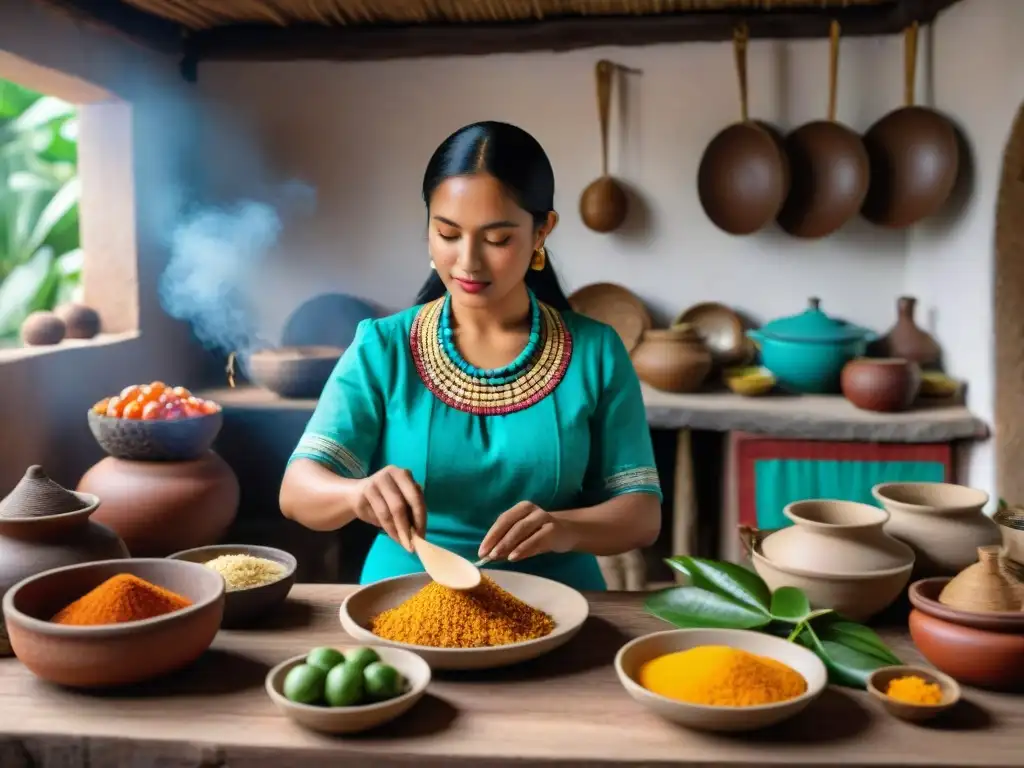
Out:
{"x": 527, "y": 530}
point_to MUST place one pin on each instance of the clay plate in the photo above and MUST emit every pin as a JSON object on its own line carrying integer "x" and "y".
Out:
{"x": 341, "y": 720}
{"x": 245, "y": 605}
{"x": 924, "y": 595}
{"x": 616, "y": 306}
{"x": 878, "y": 684}
{"x": 112, "y": 654}
{"x": 565, "y": 605}
{"x": 703, "y": 717}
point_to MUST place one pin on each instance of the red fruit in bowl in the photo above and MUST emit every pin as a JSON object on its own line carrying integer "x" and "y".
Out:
{"x": 173, "y": 411}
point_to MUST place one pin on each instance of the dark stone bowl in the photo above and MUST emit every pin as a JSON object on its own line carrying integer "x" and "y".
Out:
{"x": 293, "y": 372}
{"x": 246, "y": 605}
{"x": 183, "y": 439}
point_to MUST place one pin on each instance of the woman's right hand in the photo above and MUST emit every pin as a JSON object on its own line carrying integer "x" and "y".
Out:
{"x": 391, "y": 500}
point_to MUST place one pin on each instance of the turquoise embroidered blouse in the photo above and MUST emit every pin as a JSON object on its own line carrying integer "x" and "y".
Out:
{"x": 582, "y": 443}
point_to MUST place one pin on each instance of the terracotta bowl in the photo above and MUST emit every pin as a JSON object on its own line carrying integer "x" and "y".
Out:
{"x": 857, "y": 596}
{"x": 635, "y": 653}
{"x": 341, "y": 720}
{"x": 245, "y": 605}
{"x": 114, "y": 654}
{"x": 924, "y": 595}
{"x": 878, "y": 684}
{"x": 881, "y": 384}
{"x": 137, "y": 440}
{"x": 972, "y": 656}
{"x": 293, "y": 372}
{"x": 565, "y": 605}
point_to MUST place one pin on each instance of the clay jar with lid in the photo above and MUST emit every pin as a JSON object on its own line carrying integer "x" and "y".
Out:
{"x": 673, "y": 359}
{"x": 45, "y": 526}
{"x": 943, "y": 523}
{"x": 806, "y": 352}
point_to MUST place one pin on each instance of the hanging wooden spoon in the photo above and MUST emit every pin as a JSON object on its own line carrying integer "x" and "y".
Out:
{"x": 828, "y": 168}
{"x": 603, "y": 204}
{"x": 915, "y": 156}
{"x": 444, "y": 566}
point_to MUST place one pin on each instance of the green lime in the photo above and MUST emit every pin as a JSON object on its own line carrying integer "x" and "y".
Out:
{"x": 304, "y": 684}
{"x": 382, "y": 681}
{"x": 361, "y": 657}
{"x": 344, "y": 686}
{"x": 325, "y": 658}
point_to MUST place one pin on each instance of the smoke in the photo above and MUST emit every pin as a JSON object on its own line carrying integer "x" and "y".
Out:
{"x": 214, "y": 251}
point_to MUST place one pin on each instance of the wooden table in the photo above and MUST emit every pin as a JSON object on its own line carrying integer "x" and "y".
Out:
{"x": 565, "y": 709}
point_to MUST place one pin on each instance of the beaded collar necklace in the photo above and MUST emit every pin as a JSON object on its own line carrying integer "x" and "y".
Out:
{"x": 534, "y": 373}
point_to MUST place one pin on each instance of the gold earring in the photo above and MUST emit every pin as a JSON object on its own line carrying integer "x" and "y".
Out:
{"x": 432, "y": 265}
{"x": 540, "y": 258}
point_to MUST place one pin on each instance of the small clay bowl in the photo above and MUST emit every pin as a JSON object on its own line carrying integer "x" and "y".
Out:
{"x": 704, "y": 717}
{"x": 878, "y": 684}
{"x": 993, "y": 660}
{"x": 924, "y": 595}
{"x": 245, "y": 605}
{"x": 342, "y": 720}
{"x": 183, "y": 439}
{"x": 112, "y": 654}
{"x": 885, "y": 385}
{"x": 293, "y": 372}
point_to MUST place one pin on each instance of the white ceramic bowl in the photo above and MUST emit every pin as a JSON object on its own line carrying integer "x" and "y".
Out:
{"x": 565, "y": 605}
{"x": 340, "y": 720}
{"x": 635, "y": 653}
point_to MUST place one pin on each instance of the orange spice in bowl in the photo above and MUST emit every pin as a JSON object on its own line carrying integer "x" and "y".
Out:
{"x": 911, "y": 689}
{"x": 119, "y": 599}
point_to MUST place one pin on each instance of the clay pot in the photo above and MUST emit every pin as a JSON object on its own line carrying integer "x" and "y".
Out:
{"x": 836, "y": 537}
{"x": 905, "y": 339}
{"x": 924, "y": 595}
{"x": 942, "y": 522}
{"x": 33, "y": 539}
{"x": 982, "y": 587}
{"x": 163, "y": 507}
{"x": 672, "y": 360}
{"x": 976, "y": 657}
{"x": 293, "y": 372}
{"x": 886, "y": 385}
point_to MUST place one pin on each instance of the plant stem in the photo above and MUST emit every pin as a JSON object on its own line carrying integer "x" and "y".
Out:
{"x": 796, "y": 631}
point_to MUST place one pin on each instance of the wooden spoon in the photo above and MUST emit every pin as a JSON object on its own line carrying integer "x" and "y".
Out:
{"x": 603, "y": 204}
{"x": 445, "y": 567}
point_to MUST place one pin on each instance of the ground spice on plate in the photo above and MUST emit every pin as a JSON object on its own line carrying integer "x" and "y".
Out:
{"x": 912, "y": 689}
{"x": 121, "y": 598}
{"x": 720, "y": 676}
{"x": 246, "y": 571}
{"x": 440, "y": 617}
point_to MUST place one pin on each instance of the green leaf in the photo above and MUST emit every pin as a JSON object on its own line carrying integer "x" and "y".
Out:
{"x": 691, "y": 606}
{"x": 846, "y": 666}
{"x": 856, "y": 637}
{"x": 727, "y": 579}
{"x": 15, "y": 99}
{"x": 42, "y": 112}
{"x": 60, "y": 205}
{"x": 790, "y": 604}
{"x": 20, "y": 288}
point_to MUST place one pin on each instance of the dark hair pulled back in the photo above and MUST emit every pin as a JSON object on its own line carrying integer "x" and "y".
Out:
{"x": 518, "y": 161}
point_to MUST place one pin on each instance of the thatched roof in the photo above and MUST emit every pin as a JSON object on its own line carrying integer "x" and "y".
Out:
{"x": 206, "y": 14}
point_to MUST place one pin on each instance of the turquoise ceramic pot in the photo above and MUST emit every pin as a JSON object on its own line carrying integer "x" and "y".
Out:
{"x": 806, "y": 352}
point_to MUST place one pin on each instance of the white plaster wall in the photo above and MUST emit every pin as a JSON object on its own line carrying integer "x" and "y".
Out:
{"x": 977, "y": 75}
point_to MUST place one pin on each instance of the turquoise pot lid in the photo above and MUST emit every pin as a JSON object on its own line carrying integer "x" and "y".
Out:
{"x": 813, "y": 325}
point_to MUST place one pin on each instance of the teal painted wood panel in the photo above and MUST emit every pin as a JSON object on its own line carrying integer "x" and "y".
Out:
{"x": 779, "y": 482}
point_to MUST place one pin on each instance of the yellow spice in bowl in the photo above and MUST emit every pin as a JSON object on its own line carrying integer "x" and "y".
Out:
{"x": 720, "y": 676}
{"x": 912, "y": 689}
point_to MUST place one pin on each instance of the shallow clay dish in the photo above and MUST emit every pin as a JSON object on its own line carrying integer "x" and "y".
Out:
{"x": 924, "y": 595}
{"x": 246, "y": 605}
{"x": 635, "y": 653}
{"x": 721, "y": 329}
{"x": 565, "y": 605}
{"x": 113, "y": 654}
{"x": 616, "y": 306}
{"x": 173, "y": 440}
{"x": 293, "y": 372}
{"x": 878, "y": 684}
{"x": 971, "y": 656}
{"x": 340, "y": 720}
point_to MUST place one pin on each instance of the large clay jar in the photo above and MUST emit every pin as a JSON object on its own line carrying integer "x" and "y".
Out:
{"x": 836, "y": 537}
{"x": 944, "y": 523}
{"x": 673, "y": 359}
{"x": 905, "y": 339}
{"x": 39, "y": 530}
{"x": 162, "y": 507}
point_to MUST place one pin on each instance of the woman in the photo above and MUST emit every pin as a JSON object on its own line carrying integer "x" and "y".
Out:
{"x": 489, "y": 418}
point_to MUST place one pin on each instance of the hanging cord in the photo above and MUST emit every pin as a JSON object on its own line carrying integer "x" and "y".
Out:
{"x": 740, "y": 37}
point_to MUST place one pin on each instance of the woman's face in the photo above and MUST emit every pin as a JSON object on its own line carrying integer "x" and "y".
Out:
{"x": 481, "y": 241}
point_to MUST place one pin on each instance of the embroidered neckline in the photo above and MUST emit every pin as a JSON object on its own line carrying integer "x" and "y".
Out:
{"x": 525, "y": 381}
